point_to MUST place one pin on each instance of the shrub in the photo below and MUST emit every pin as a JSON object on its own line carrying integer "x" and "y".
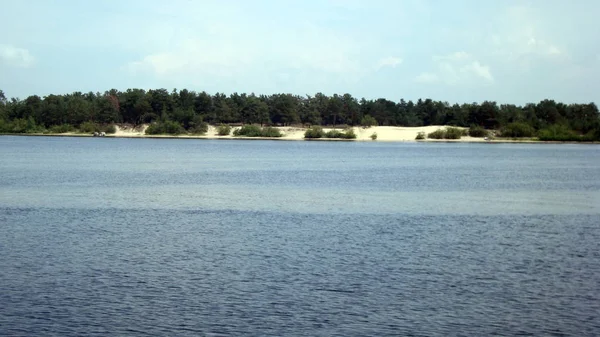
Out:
{"x": 109, "y": 129}
{"x": 562, "y": 133}
{"x": 257, "y": 131}
{"x": 448, "y": 133}
{"x": 89, "y": 127}
{"x": 198, "y": 126}
{"x": 477, "y": 131}
{"x": 437, "y": 134}
{"x": 374, "y": 136}
{"x": 270, "y": 131}
{"x": 63, "y": 128}
{"x": 420, "y": 136}
{"x": 248, "y": 131}
{"x": 223, "y": 130}
{"x": 368, "y": 121}
{"x": 349, "y": 134}
{"x": 314, "y": 132}
{"x": 517, "y": 130}
{"x": 346, "y": 134}
{"x": 165, "y": 128}
{"x": 453, "y": 133}
{"x": 333, "y": 134}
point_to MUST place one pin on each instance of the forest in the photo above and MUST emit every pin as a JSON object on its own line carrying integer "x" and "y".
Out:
{"x": 185, "y": 111}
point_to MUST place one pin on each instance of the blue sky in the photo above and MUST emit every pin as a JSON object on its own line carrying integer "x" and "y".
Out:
{"x": 458, "y": 51}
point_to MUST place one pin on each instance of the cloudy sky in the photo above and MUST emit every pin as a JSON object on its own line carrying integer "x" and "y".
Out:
{"x": 509, "y": 51}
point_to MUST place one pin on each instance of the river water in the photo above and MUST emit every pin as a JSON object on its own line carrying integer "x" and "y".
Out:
{"x": 157, "y": 237}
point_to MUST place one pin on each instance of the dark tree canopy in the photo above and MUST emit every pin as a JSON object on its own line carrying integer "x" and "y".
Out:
{"x": 188, "y": 108}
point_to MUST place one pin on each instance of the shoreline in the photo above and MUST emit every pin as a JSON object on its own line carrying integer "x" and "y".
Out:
{"x": 184, "y": 137}
{"x": 385, "y": 134}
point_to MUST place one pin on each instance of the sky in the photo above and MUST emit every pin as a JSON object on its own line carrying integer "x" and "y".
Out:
{"x": 509, "y": 51}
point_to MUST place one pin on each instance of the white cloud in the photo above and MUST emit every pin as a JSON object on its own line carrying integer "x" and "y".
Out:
{"x": 427, "y": 78}
{"x": 457, "y": 68}
{"x": 522, "y": 37}
{"x": 390, "y": 61}
{"x": 243, "y": 51}
{"x": 16, "y": 57}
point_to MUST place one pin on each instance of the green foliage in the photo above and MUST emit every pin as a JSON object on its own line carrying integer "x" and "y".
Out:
{"x": 191, "y": 110}
{"x": 249, "y": 131}
{"x": 257, "y": 131}
{"x": 270, "y": 131}
{"x": 62, "y": 128}
{"x": 368, "y": 121}
{"x": 165, "y": 128}
{"x": 198, "y": 126}
{"x": 223, "y": 130}
{"x": 517, "y": 130}
{"x": 334, "y": 134}
{"x": 478, "y": 131}
{"x": 447, "y": 133}
{"x": 20, "y": 125}
{"x": 563, "y": 133}
{"x": 89, "y": 127}
{"x": 349, "y": 134}
{"x": 346, "y": 134}
{"x": 374, "y": 136}
{"x": 420, "y": 136}
{"x": 109, "y": 129}
{"x": 314, "y": 132}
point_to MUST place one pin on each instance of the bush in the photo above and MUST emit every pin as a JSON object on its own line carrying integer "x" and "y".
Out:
{"x": 374, "y": 136}
{"x": 314, "y": 132}
{"x": 198, "y": 126}
{"x": 270, "y": 131}
{"x": 437, "y": 134}
{"x": 562, "y": 133}
{"x": 257, "y": 131}
{"x": 448, "y": 133}
{"x": 517, "y": 130}
{"x": 223, "y": 130}
{"x": 248, "y": 131}
{"x": 346, "y": 134}
{"x": 477, "y": 131}
{"x": 368, "y": 121}
{"x": 165, "y": 128}
{"x": 454, "y": 133}
{"x": 334, "y": 134}
{"x": 89, "y": 127}
{"x": 109, "y": 129}
{"x": 420, "y": 136}
{"x": 349, "y": 134}
{"x": 63, "y": 128}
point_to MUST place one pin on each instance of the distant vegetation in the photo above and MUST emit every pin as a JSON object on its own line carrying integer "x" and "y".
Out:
{"x": 191, "y": 111}
{"x": 447, "y": 133}
{"x": 223, "y": 130}
{"x": 257, "y": 131}
{"x": 478, "y": 131}
{"x": 318, "y": 132}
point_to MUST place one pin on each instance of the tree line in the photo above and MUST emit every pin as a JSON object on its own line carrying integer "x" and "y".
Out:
{"x": 189, "y": 108}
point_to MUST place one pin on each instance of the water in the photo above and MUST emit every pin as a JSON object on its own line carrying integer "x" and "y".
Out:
{"x": 137, "y": 237}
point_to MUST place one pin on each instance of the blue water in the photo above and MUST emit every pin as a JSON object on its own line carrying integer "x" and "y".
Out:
{"x": 138, "y": 237}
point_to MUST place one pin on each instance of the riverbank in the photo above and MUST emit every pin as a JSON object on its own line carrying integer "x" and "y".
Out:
{"x": 383, "y": 134}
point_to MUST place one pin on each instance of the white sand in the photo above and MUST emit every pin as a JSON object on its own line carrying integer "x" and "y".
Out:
{"x": 384, "y": 133}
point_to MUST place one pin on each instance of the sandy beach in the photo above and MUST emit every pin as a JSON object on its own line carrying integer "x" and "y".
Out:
{"x": 384, "y": 133}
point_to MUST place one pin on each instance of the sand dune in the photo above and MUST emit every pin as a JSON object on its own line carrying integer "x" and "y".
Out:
{"x": 384, "y": 133}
